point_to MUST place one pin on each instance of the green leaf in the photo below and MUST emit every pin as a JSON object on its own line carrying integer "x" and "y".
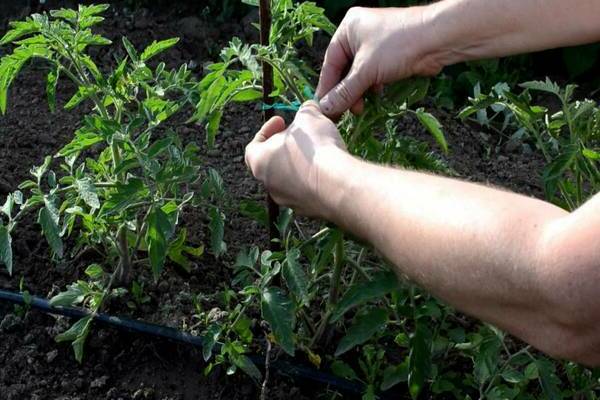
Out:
{"x": 94, "y": 9}
{"x": 130, "y": 50}
{"x": 159, "y": 146}
{"x": 419, "y": 359}
{"x": 82, "y": 94}
{"x": 72, "y": 296}
{"x": 19, "y": 29}
{"x": 278, "y": 311}
{"x": 94, "y": 271}
{"x": 83, "y": 140}
{"x": 6, "y": 255}
{"x": 158, "y": 47}
{"x": 295, "y": 276}
{"x": 591, "y": 154}
{"x": 548, "y": 379}
{"x": 159, "y": 229}
{"x": 381, "y": 285}
{"x": 394, "y": 375}
{"x": 343, "y": 370}
{"x": 217, "y": 231}
{"x": 247, "y": 95}
{"x": 543, "y": 86}
{"x": 434, "y": 127}
{"x": 77, "y": 334}
{"x": 254, "y": 210}
{"x": 212, "y": 127}
{"x": 246, "y": 365}
{"x": 209, "y": 339}
{"x": 363, "y": 329}
{"x": 87, "y": 192}
{"x": 51, "y": 231}
{"x": 51, "y": 88}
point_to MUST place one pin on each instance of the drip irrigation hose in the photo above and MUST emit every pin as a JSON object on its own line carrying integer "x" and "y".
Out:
{"x": 129, "y": 325}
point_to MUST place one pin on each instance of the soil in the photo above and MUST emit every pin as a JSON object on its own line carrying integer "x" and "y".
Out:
{"x": 118, "y": 365}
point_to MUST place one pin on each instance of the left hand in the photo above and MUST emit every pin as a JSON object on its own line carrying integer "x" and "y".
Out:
{"x": 290, "y": 162}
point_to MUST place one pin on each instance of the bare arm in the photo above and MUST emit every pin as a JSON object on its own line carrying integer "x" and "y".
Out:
{"x": 522, "y": 264}
{"x": 475, "y": 29}
{"x": 373, "y": 47}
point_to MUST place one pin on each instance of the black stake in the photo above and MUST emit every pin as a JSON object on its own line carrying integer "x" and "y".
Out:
{"x": 268, "y": 113}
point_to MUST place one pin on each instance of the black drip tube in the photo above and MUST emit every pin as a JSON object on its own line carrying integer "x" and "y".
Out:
{"x": 126, "y": 324}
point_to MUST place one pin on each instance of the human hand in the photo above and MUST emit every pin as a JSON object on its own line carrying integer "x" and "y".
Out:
{"x": 290, "y": 162}
{"x": 374, "y": 47}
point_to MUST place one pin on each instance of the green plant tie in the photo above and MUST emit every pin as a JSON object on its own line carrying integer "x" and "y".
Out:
{"x": 293, "y": 106}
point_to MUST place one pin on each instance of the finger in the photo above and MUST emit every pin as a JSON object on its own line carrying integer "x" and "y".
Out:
{"x": 358, "y": 107}
{"x": 345, "y": 94}
{"x": 271, "y": 127}
{"x": 336, "y": 62}
{"x": 310, "y": 106}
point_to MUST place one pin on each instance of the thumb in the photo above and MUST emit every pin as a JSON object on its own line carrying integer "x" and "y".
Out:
{"x": 344, "y": 95}
{"x": 271, "y": 127}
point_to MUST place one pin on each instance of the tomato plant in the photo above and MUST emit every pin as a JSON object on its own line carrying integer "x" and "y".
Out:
{"x": 119, "y": 186}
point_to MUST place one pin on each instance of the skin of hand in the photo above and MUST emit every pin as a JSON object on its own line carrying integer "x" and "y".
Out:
{"x": 373, "y": 47}
{"x": 287, "y": 160}
{"x": 370, "y": 48}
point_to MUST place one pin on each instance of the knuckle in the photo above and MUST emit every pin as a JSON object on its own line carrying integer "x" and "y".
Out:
{"x": 344, "y": 92}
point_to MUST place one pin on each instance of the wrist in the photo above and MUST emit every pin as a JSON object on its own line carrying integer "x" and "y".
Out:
{"x": 336, "y": 173}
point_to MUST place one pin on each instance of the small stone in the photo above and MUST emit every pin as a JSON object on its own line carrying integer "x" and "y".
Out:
{"x": 29, "y": 338}
{"x": 99, "y": 383}
{"x": 502, "y": 158}
{"x": 245, "y": 129}
{"x": 51, "y": 356}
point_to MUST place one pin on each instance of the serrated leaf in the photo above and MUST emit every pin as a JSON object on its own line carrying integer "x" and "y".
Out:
{"x": 434, "y": 127}
{"x": 77, "y": 334}
{"x": 343, "y": 370}
{"x": 295, "y": 277}
{"x": 381, "y": 285}
{"x": 419, "y": 359}
{"x": 133, "y": 55}
{"x": 209, "y": 340}
{"x": 363, "y": 329}
{"x": 82, "y": 94}
{"x": 548, "y": 379}
{"x": 87, "y": 192}
{"x": 51, "y": 231}
{"x": 83, "y": 140}
{"x": 72, "y": 296}
{"x": 543, "y": 86}
{"x": 6, "y": 254}
{"x": 51, "y": 84}
{"x": 394, "y": 375}
{"x": 212, "y": 127}
{"x": 278, "y": 311}
{"x": 256, "y": 211}
{"x": 158, "y": 47}
{"x": 247, "y": 95}
{"x": 94, "y": 271}
{"x": 217, "y": 231}
{"x": 159, "y": 229}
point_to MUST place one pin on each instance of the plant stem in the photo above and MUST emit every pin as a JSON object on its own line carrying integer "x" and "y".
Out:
{"x": 265, "y": 32}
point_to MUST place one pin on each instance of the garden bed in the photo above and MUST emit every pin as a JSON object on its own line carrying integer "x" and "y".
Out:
{"x": 121, "y": 365}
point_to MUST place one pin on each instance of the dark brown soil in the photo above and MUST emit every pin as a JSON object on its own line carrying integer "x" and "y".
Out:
{"x": 124, "y": 366}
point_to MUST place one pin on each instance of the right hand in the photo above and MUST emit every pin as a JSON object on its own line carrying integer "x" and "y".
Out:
{"x": 375, "y": 47}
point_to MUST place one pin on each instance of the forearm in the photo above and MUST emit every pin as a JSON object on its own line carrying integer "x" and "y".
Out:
{"x": 476, "y": 29}
{"x": 475, "y": 247}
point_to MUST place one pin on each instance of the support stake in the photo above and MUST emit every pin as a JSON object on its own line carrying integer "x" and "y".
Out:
{"x": 268, "y": 113}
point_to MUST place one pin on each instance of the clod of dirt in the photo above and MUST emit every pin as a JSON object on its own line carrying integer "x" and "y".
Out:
{"x": 10, "y": 323}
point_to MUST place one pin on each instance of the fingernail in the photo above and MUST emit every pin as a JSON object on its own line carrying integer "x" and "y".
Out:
{"x": 325, "y": 104}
